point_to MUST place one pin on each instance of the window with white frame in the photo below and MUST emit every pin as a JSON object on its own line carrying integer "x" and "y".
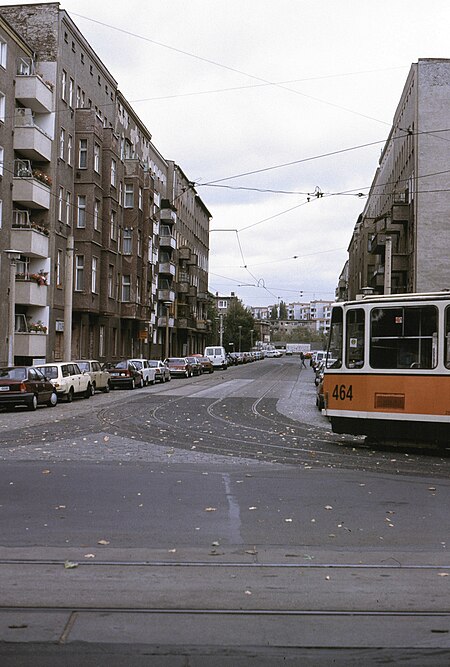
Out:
{"x": 111, "y": 281}
{"x": 64, "y": 85}
{"x": 69, "y": 149}
{"x": 3, "y": 53}
{"x": 101, "y": 341}
{"x": 120, "y": 193}
{"x": 126, "y": 288}
{"x": 138, "y": 289}
{"x": 82, "y": 153}
{"x": 113, "y": 226}
{"x": 71, "y": 89}
{"x": 140, "y": 199}
{"x": 113, "y": 172}
{"x": 97, "y": 158}
{"x": 60, "y": 203}
{"x": 81, "y": 211}
{"x": 1, "y": 213}
{"x": 2, "y": 158}
{"x": 78, "y": 98}
{"x": 94, "y": 275}
{"x": 59, "y": 267}
{"x": 79, "y": 273}
{"x": 68, "y": 208}
{"x": 96, "y": 213}
{"x": 62, "y": 143}
{"x": 127, "y": 241}
{"x": 2, "y": 107}
{"x": 139, "y": 243}
{"x": 129, "y": 195}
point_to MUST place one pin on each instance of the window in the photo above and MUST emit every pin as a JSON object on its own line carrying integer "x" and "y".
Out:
{"x": 113, "y": 226}
{"x": 62, "y": 143}
{"x": 2, "y": 158}
{"x": 2, "y": 107}
{"x": 140, "y": 199}
{"x": 101, "y": 341}
{"x": 79, "y": 273}
{"x": 354, "y": 354}
{"x": 113, "y": 173}
{"x": 403, "y": 337}
{"x": 139, "y": 243}
{"x": 120, "y": 193}
{"x": 71, "y": 89}
{"x": 126, "y": 288}
{"x": 97, "y": 158}
{"x": 138, "y": 289}
{"x": 111, "y": 281}
{"x": 59, "y": 267}
{"x": 78, "y": 98}
{"x": 81, "y": 211}
{"x": 96, "y": 213}
{"x": 60, "y": 203}
{"x": 69, "y": 149}
{"x": 336, "y": 340}
{"x": 129, "y": 195}
{"x": 68, "y": 208}
{"x": 1, "y": 213}
{"x": 64, "y": 85}
{"x": 127, "y": 247}
{"x": 82, "y": 154}
{"x": 3, "y": 52}
{"x": 447, "y": 338}
{"x": 94, "y": 275}
{"x": 222, "y": 304}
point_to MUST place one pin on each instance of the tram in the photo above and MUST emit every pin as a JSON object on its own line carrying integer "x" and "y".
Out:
{"x": 388, "y": 368}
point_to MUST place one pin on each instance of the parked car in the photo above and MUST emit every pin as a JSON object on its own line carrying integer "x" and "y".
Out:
{"x": 206, "y": 364}
{"x": 162, "y": 372}
{"x": 100, "y": 378}
{"x": 124, "y": 374}
{"x": 179, "y": 366}
{"x": 217, "y": 356}
{"x": 67, "y": 379}
{"x": 26, "y": 385}
{"x": 320, "y": 398}
{"x": 197, "y": 368}
{"x": 148, "y": 373}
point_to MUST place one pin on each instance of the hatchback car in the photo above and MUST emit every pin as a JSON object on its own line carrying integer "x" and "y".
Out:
{"x": 179, "y": 366}
{"x": 100, "y": 379}
{"x": 206, "y": 363}
{"x": 124, "y": 374}
{"x": 67, "y": 379}
{"x": 162, "y": 372}
{"x": 147, "y": 372}
{"x": 26, "y": 385}
{"x": 197, "y": 368}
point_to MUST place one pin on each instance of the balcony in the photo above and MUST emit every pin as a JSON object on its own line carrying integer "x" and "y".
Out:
{"x": 400, "y": 262}
{"x": 183, "y": 288}
{"x": 166, "y": 295}
{"x": 30, "y": 239}
{"x": 376, "y": 243}
{"x": 168, "y": 216}
{"x": 33, "y": 93}
{"x": 167, "y": 268}
{"x": 184, "y": 253}
{"x": 30, "y": 192}
{"x": 202, "y": 296}
{"x": 30, "y": 293}
{"x": 29, "y": 139}
{"x": 168, "y": 241}
{"x": 30, "y": 345}
{"x": 162, "y": 321}
{"x": 201, "y": 325}
{"x": 193, "y": 260}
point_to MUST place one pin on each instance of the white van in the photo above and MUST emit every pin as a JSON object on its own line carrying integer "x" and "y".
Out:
{"x": 217, "y": 356}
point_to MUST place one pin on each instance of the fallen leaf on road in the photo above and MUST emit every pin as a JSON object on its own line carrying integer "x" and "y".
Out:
{"x": 103, "y": 542}
{"x": 215, "y": 544}
{"x": 252, "y": 552}
{"x": 70, "y": 564}
{"x": 248, "y": 592}
{"x": 89, "y": 555}
{"x": 442, "y": 574}
{"x": 210, "y": 509}
{"x": 172, "y": 551}
{"x": 252, "y": 508}
{"x": 328, "y": 507}
{"x": 46, "y": 472}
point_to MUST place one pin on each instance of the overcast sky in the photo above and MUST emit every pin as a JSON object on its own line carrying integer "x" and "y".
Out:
{"x": 262, "y": 102}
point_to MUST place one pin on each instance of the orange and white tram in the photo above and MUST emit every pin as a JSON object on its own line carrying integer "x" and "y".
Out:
{"x": 388, "y": 367}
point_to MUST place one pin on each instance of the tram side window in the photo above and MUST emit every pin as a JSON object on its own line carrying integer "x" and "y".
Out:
{"x": 354, "y": 338}
{"x": 447, "y": 338}
{"x": 336, "y": 337}
{"x": 403, "y": 337}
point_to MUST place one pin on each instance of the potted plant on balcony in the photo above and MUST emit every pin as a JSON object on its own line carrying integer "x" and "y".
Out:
{"x": 37, "y": 327}
{"x": 43, "y": 178}
{"x": 40, "y": 278}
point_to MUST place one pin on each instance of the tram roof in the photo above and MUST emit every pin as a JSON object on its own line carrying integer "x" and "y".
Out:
{"x": 395, "y": 298}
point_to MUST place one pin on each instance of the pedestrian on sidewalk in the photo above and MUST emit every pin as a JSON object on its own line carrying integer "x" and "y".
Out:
{"x": 302, "y": 359}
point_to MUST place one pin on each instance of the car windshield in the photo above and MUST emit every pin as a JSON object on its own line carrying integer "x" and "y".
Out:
{"x": 83, "y": 365}
{"x": 153, "y": 364}
{"x": 176, "y": 360}
{"x": 49, "y": 371}
{"x": 13, "y": 373}
{"x": 121, "y": 364}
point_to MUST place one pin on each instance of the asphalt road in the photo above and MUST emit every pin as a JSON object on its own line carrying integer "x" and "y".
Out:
{"x": 218, "y": 521}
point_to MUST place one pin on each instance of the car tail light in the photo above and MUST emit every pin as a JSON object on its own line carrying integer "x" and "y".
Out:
{"x": 23, "y": 387}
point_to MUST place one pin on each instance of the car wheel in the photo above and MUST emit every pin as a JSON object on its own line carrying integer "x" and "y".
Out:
{"x": 53, "y": 400}
{"x": 107, "y": 389}
{"x": 69, "y": 397}
{"x": 169, "y": 379}
{"x": 132, "y": 383}
{"x": 88, "y": 392}
{"x": 32, "y": 405}
{"x": 152, "y": 381}
{"x": 141, "y": 383}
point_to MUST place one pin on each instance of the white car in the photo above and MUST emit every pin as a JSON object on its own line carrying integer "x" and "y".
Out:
{"x": 100, "y": 379}
{"x": 148, "y": 373}
{"x": 162, "y": 372}
{"x": 68, "y": 379}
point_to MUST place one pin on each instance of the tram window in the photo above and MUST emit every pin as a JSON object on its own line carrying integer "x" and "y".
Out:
{"x": 403, "y": 337}
{"x": 447, "y": 338}
{"x": 354, "y": 343}
{"x": 335, "y": 344}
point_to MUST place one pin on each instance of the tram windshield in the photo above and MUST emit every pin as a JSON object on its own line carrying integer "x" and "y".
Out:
{"x": 403, "y": 337}
{"x": 336, "y": 341}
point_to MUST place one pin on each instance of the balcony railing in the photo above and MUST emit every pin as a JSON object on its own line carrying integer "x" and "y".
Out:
{"x": 29, "y": 139}
{"x": 34, "y": 93}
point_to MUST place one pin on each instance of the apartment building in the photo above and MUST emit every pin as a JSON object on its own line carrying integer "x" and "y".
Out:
{"x": 315, "y": 314}
{"x": 400, "y": 242}
{"x": 90, "y": 204}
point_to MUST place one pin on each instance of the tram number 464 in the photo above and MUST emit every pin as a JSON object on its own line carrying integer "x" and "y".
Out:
{"x": 343, "y": 392}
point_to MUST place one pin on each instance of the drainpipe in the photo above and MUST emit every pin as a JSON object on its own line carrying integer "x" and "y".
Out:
{"x": 68, "y": 299}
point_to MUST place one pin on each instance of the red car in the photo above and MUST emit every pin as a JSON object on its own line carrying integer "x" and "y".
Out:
{"x": 26, "y": 385}
{"x": 179, "y": 366}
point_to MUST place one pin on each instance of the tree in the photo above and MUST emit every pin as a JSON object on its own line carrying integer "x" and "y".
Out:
{"x": 238, "y": 323}
{"x": 283, "y": 311}
{"x": 274, "y": 313}
{"x": 213, "y": 316}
